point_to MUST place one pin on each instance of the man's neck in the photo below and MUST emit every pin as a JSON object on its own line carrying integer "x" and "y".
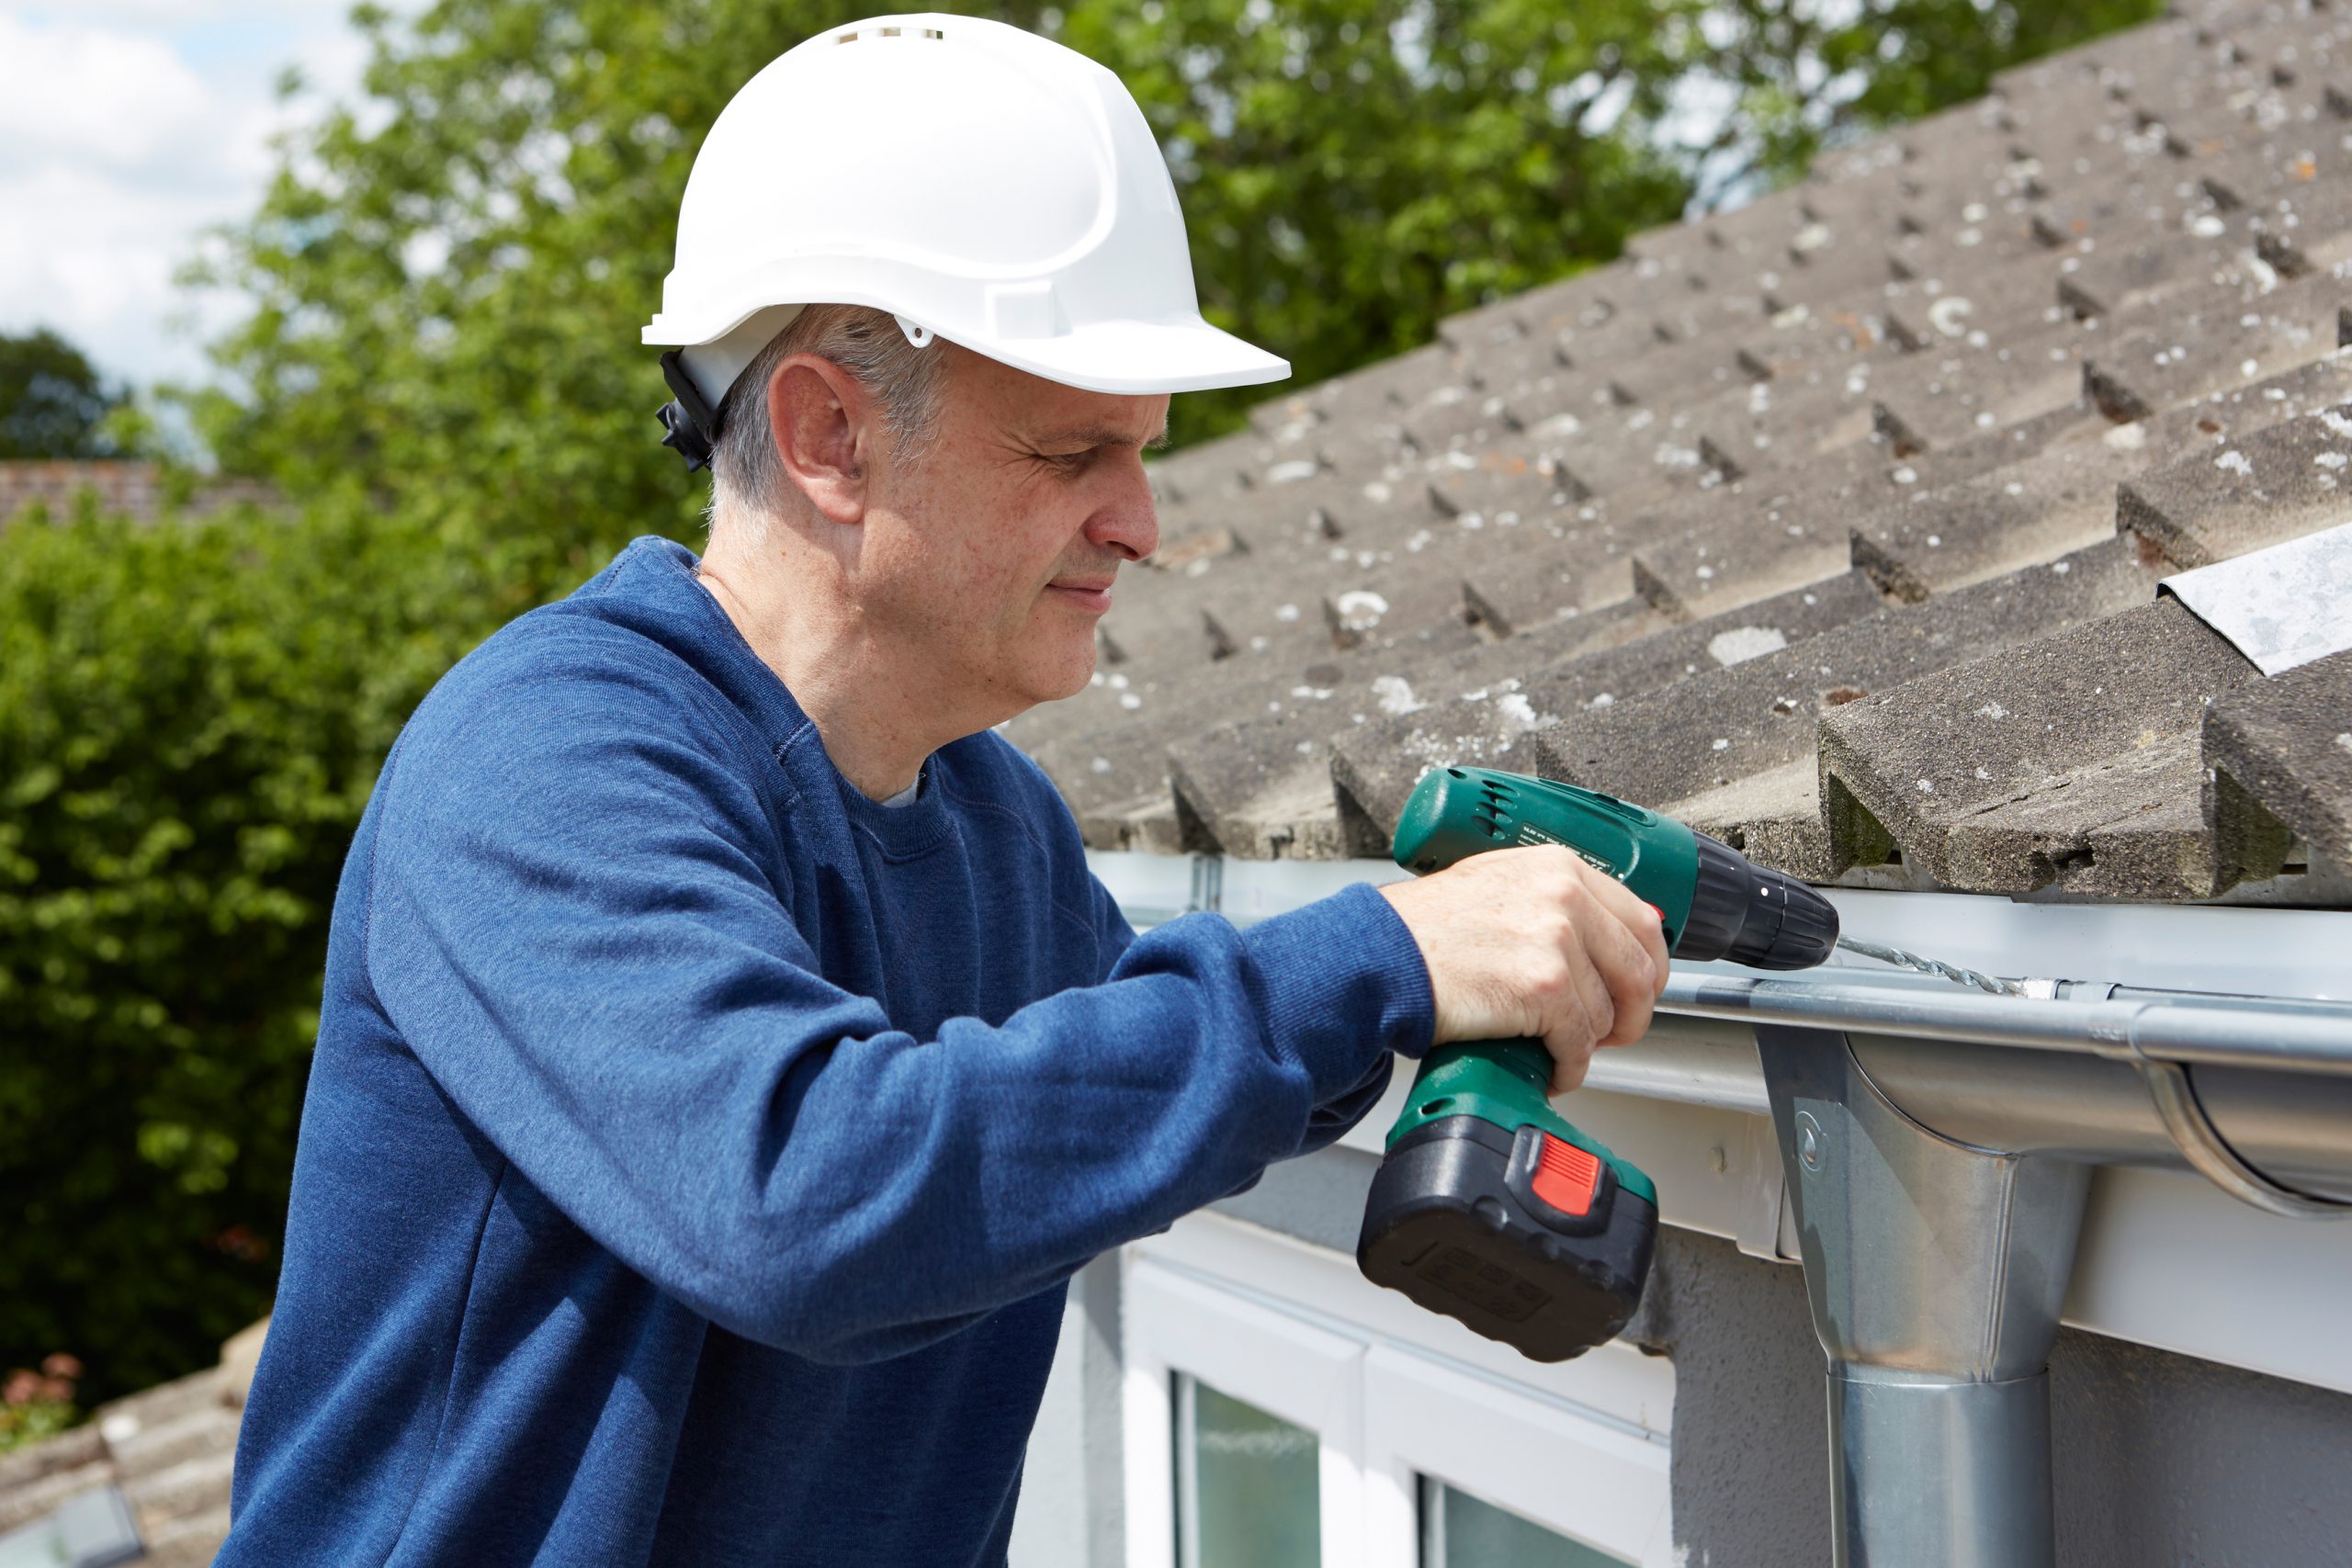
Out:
{"x": 847, "y": 684}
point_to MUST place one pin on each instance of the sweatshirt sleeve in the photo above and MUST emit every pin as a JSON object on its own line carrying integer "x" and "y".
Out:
{"x": 570, "y": 925}
{"x": 1332, "y": 1118}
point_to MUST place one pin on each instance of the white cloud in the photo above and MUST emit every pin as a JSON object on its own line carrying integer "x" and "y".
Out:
{"x": 128, "y": 126}
{"x": 83, "y": 99}
{"x": 153, "y": 14}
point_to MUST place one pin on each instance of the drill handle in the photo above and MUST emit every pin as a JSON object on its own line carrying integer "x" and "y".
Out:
{"x": 1506, "y": 1082}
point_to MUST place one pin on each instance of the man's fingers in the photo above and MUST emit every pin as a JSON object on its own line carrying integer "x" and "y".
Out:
{"x": 1567, "y": 1075}
{"x": 1571, "y": 1040}
{"x": 1623, "y": 968}
{"x": 1642, "y": 919}
{"x": 1584, "y": 919}
{"x": 1535, "y": 941}
{"x": 1631, "y": 972}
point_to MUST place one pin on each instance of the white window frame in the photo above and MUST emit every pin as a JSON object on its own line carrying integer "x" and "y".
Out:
{"x": 1392, "y": 1394}
{"x": 1290, "y": 1370}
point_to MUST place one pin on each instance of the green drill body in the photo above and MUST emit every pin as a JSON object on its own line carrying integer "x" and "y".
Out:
{"x": 1490, "y": 1206}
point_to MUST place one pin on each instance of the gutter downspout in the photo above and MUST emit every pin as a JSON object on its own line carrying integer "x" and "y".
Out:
{"x": 1936, "y": 1270}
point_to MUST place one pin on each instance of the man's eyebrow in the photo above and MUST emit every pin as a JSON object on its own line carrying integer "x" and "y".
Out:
{"x": 1103, "y": 436}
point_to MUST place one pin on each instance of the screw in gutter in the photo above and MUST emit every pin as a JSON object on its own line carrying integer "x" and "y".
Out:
{"x": 1809, "y": 1150}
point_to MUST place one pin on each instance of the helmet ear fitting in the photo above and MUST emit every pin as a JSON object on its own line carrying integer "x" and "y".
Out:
{"x": 692, "y": 423}
{"x": 917, "y": 333}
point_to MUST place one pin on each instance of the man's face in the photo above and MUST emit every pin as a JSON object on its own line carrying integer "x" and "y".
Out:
{"x": 992, "y": 553}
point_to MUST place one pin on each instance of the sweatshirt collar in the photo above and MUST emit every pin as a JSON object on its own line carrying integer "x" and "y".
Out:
{"x": 660, "y": 574}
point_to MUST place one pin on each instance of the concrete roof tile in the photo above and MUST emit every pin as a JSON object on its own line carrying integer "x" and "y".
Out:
{"x": 1259, "y": 784}
{"x": 2286, "y": 743}
{"x": 2276, "y": 484}
{"x": 170, "y": 1454}
{"x": 1378, "y": 763}
{"x": 2217, "y": 338}
{"x": 1980, "y": 773}
{"x": 1712, "y": 728}
{"x": 1582, "y": 299}
{"x": 1956, "y": 387}
{"x": 2160, "y": 46}
{"x": 2063, "y": 497}
{"x": 1771, "y": 544}
{"x": 1937, "y": 540}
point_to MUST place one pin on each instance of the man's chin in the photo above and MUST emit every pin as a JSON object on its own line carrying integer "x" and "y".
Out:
{"x": 1066, "y": 680}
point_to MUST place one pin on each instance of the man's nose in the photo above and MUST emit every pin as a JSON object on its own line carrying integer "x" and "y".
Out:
{"x": 1125, "y": 521}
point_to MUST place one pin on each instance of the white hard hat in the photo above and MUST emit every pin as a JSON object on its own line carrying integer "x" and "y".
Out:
{"x": 981, "y": 183}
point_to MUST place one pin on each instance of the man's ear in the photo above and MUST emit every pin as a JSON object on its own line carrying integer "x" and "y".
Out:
{"x": 824, "y": 427}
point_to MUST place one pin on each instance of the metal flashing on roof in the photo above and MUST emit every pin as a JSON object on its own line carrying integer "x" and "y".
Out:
{"x": 88, "y": 1529}
{"x": 2280, "y": 607}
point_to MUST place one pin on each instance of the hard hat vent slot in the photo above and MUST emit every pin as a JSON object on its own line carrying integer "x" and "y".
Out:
{"x": 854, "y": 35}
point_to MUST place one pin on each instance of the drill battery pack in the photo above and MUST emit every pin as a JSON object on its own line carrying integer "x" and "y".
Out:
{"x": 1528, "y": 1237}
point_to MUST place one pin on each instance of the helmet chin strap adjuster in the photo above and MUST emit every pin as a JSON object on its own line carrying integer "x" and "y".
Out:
{"x": 693, "y": 424}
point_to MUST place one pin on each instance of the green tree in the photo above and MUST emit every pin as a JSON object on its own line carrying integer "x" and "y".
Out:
{"x": 191, "y": 718}
{"x": 1809, "y": 76}
{"x": 53, "y": 402}
{"x": 448, "y": 285}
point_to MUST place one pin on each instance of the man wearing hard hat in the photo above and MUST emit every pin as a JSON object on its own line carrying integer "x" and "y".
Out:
{"x": 725, "y": 1057}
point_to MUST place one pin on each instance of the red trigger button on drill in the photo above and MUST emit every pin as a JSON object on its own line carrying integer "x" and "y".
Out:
{"x": 1566, "y": 1177}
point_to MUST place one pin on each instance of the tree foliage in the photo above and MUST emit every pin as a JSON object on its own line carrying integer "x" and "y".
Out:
{"x": 451, "y": 276}
{"x": 53, "y": 402}
{"x": 190, "y": 721}
{"x": 441, "y": 368}
{"x": 1807, "y": 76}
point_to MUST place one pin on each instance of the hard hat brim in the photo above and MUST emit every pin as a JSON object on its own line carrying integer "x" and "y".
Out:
{"x": 1137, "y": 358}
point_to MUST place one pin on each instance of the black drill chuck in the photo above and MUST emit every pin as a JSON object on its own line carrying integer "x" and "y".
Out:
{"x": 1751, "y": 915}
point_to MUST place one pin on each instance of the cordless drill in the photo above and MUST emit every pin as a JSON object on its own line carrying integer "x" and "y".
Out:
{"x": 1490, "y": 1207}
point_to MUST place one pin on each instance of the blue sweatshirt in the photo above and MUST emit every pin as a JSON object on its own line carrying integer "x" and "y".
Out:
{"x": 697, "y": 1151}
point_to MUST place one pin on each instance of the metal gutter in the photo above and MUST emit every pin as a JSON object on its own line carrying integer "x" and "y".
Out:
{"x": 2276, "y": 1143}
{"x": 2135, "y": 1025}
{"x": 2236, "y": 951}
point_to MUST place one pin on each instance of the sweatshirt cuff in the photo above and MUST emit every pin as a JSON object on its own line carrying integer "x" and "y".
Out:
{"x": 1342, "y": 984}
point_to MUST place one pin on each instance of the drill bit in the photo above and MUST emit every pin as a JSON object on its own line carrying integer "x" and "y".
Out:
{"x": 1912, "y": 961}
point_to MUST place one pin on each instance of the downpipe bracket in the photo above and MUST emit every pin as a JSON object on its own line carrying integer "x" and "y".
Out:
{"x": 2210, "y": 1155}
{"x": 2188, "y": 1124}
{"x": 1935, "y": 1271}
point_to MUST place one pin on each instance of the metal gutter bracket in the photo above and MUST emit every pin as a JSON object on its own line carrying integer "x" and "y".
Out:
{"x": 1936, "y": 1272}
{"x": 2190, "y": 1126}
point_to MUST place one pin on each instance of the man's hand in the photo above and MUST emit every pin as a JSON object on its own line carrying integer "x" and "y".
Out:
{"x": 1534, "y": 943}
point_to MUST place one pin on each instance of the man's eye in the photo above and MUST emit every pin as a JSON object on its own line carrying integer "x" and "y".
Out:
{"x": 1066, "y": 462}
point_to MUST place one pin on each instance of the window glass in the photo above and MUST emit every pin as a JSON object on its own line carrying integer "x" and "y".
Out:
{"x": 1459, "y": 1531}
{"x": 1247, "y": 1492}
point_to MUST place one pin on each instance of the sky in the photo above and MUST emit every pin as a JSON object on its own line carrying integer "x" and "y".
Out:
{"x": 128, "y": 127}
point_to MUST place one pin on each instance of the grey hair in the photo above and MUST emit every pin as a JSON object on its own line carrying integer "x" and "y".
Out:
{"x": 746, "y": 474}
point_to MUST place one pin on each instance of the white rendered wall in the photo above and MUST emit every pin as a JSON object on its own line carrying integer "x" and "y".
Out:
{"x": 1049, "y": 1527}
